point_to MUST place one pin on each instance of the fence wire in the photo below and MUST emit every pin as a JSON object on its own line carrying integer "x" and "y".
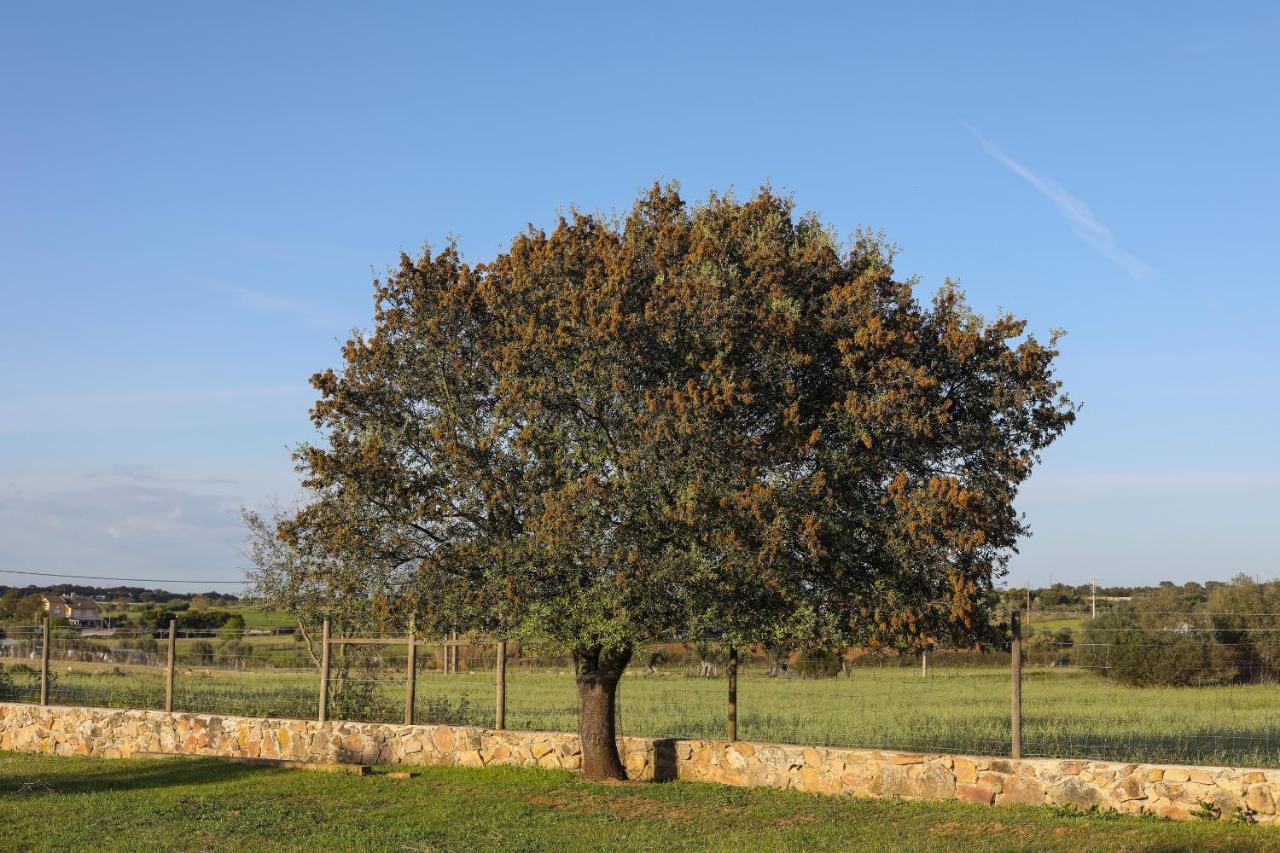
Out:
{"x": 1200, "y": 688}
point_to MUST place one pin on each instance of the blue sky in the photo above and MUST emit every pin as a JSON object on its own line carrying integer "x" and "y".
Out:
{"x": 193, "y": 201}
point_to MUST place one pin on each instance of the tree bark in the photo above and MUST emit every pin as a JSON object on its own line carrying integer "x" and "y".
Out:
{"x": 597, "y": 672}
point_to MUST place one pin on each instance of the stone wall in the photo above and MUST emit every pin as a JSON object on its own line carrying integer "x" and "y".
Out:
{"x": 1167, "y": 790}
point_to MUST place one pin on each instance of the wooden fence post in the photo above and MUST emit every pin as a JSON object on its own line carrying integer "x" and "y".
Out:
{"x": 44, "y": 661}
{"x": 924, "y": 664}
{"x": 169, "y": 667}
{"x": 500, "y": 710}
{"x": 1015, "y": 703}
{"x": 324, "y": 670}
{"x": 411, "y": 676}
{"x": 732, "y": 728}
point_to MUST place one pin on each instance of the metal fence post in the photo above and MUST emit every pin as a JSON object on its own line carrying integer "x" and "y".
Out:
{"x": 732, "y": 726}
{"x": 324, "y": 670}
{"x": 44, "y": 661}
{"x": 169, "y": 667}
{"x": 500, "y": 711}
{"x": 411, "y": 676}
{"x": 1015, "y": 698}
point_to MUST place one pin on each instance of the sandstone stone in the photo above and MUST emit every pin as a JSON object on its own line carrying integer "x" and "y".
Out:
{"x": 890, "y": 781}
{"x": 975, "y": 794}
{"x": 966, "y": 771}
{"x": 636, "y": 762}
{"x": 1200, "y": 777}
{"x": 1128, "y": 788}
{"x": 1171, "y": 810}
{"x": 1073, "y": 792}
{"x": 1176, "y": 774}
{"x": 993, "y": 782}
{"x": 935, "y": 783}
{"x": 1019, "y": 790}
{"x": 1259, "y": 799}
{"x": 1226, "y": 802}
{"x": 442, "y": 739}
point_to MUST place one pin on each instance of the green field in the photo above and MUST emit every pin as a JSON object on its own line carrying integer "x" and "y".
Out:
{"x": 49, "y": 803}
{"x": 1067, "y": 712}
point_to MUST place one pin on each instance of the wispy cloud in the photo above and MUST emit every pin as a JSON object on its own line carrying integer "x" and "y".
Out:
{"x": 1083, "y": 223}
{"x": 127, "y": 530}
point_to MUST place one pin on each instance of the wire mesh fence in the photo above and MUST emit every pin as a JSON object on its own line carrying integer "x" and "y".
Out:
{"x": 1169, "y": 688}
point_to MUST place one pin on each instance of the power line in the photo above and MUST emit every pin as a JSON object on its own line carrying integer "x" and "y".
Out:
{"x": 106, "y": 578}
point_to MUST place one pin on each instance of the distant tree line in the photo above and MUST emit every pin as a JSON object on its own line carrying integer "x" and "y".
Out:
{"x": 129, "y": 593}
{"x": 1176, "y": 635}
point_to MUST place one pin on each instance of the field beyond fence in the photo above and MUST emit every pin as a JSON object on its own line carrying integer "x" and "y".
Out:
{"x": 1074, "y": 705}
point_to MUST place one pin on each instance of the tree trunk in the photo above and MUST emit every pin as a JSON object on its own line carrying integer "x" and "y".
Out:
{"x": 598, "y": 671}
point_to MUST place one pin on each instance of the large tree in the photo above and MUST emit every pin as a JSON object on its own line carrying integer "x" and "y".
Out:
{"x": 714, "y": 422}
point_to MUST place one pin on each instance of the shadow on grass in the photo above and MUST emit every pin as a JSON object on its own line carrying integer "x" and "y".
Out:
{"x": 122, "y": 774}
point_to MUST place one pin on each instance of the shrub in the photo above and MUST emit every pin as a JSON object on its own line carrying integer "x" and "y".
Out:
{"x": 441, "y": 712}
{"x": 233, "y": 653}
{"x": 203, "y": 619}
{"x": 200, "y": 653}
{"x": 233, "y": 629}
{"x": 1049, "y": 649}
{"x": 354, "y": 698}
{"x": 1173, "y": 656}
{"x": 817, "y": 663}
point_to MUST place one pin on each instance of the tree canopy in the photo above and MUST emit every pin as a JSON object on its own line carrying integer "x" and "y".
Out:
{"x": 713, "y": 422}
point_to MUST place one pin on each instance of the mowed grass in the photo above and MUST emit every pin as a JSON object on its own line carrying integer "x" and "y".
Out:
{"x": 49, "y": 803}
{"x": 1066, "y": 713}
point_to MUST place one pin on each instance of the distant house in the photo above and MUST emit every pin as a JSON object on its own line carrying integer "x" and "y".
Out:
{"x": 78, "y": 609}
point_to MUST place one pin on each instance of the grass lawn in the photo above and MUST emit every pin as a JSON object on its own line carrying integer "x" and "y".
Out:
{"x": 256, "y": 617}
{"x": 49, "y": 803}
